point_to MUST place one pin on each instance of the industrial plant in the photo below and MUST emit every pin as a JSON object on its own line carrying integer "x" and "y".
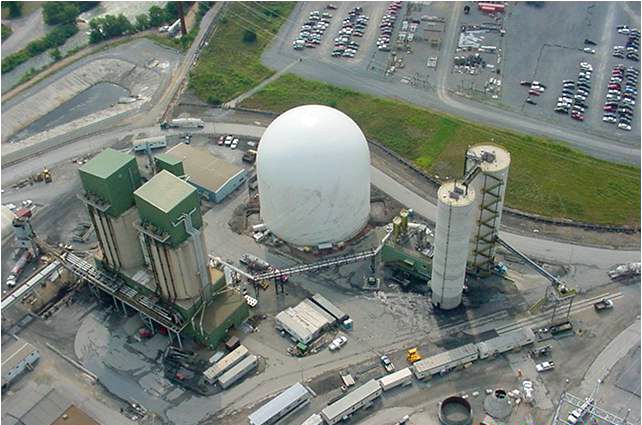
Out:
{"x": 202, "y": 225}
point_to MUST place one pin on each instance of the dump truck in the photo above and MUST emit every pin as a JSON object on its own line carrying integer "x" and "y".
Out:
{"x": 623, "y": 271}
{"x": 182, "y": 123}
{"x": 603, "y": 304}
{"x": 413, "y": 355}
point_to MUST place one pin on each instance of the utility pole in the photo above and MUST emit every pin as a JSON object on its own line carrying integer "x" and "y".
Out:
{"x": 181, "y": 16}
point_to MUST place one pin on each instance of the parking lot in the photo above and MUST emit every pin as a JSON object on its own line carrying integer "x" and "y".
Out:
{"x": 546, "y": 44}
{"x": 334, "y": 18}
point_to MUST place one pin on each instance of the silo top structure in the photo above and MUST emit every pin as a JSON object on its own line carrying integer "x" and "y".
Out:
{"x": 490, "y": 186}
{"x": 455, "y": 204}
{"x": 111, "y": 177}
{"x": 313, "y": 168}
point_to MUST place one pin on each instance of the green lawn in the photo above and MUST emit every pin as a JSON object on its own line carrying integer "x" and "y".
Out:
{"x": 546, "y": 177}
{"x": 229, "y": 66}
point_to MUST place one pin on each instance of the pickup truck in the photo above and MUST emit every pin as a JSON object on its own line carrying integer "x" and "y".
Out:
{"x": 387, "y": 364}
{"x": 544, "y": 366}
{"x": 541, "y": 351}
{"x": 603, "y": 304}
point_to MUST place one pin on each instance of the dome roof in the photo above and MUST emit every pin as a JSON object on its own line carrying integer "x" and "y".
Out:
{"x": 313, "y": 167}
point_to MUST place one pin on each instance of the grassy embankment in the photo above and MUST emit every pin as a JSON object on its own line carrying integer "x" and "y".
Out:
{"x": 231, "y": 63}
{"x": 546, "y": 177}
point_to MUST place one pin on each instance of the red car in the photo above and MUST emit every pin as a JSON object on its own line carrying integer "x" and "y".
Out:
{"x": 577, "y": 116}
{"x": 610, "y": 108}
{"x": 614, "y": 86}
{"x": 221, "y": 140}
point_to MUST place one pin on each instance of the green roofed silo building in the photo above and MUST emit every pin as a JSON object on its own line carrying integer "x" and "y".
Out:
{"x": 109, "y": 181}
{"x": 151, "y": 236}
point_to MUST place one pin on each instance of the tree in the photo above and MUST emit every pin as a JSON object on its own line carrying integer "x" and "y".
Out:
{"x": 171, "y": 11}
{"x": 60, "y": 12}
{"x": 55, "y": 54}
{"x": 109, "y": 26}
{"x": 15, "y": 8}
{"x": 156, "y": 16}
{"x": 249, "y": 36}
{"x": 142, "y": 22}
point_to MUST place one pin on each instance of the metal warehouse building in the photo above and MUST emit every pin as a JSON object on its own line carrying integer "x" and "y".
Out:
{"x": 288, "y": 401}
{"x": 304, "y": 322}
{"x": 213, "y": 177}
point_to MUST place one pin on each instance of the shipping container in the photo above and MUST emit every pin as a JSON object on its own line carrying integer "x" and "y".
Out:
{"x": 227, "y": 362}
{"x": 239, "y": 371}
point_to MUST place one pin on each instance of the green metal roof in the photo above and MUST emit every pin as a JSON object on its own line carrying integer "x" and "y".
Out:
{"x": 106, "y": 163}
{"x": 165, "y": 191}
{"x": 168, "y": 159}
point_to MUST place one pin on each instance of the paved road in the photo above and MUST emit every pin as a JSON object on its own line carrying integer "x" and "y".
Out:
{"x": 25, "y": 29}
{"x": 617, "y": 348}
{"x": 333, "y": 72}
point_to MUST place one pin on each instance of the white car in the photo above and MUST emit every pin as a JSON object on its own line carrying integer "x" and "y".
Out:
{"x": 589, "y": 50}
{"x": 624, "y": 126}
{"x": 609, "y": 119}
{"x": 11, "y": 207}
{"x": 228, "y": 140}
{"x": 338, "y": 343}
{"x": 587, "y": 66}
{"x": 544, "y": 366}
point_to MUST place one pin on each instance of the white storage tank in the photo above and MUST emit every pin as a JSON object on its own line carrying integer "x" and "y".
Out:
{"x": 452, "y": 234}
{"x": 313, "y": 169}
{"x": 490, "y": 188}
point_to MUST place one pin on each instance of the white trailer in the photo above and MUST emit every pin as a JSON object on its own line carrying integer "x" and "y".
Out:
{"x": 212, "y": 373}
{"x": 509, "y": 341}
{"x": 183, "y": 123}
{"x": 280, "y": 406}
{"x": 239, "y": 371}
{"x": 347, "y": 405}
{"x": 443, "y": 362}
{"x": 315, "y": 419}
{"x": 400, "y": 377}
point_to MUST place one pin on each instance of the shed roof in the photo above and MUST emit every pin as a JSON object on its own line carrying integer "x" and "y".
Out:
{"x": 15, "y": 354}
{"x": 168, "y": 159}
{"x": 204, "y": 169}
{"x": 445, "y": 358}
{"x": 106, "y": 163}
{"x": 74, "y": 416}
{"x": 292, "y": 395}
{"x": 164, "y": 191}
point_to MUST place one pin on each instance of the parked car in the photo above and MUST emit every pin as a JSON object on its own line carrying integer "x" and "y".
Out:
{"x": 338, "y": 342}
{"x": 387, "y": 364}
{"x": 545, "y": 366}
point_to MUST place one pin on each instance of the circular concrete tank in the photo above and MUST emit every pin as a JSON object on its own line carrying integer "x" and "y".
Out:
{"x": 452, "y": 236}
{"x": 455, "y": 410}
{"x": 490, "y": 187}
{"x": 313, "y": 169}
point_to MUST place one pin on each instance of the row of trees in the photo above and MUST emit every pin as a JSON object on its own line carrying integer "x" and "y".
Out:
{"x": 63, "y": 15}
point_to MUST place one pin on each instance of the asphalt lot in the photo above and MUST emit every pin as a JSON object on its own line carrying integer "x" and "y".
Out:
{"x": 603, "y": 144}
{"x": 545, "y": 44}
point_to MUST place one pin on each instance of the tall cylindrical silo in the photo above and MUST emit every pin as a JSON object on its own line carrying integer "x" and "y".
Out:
{"x": 452, "y": 235}
{"x": 490, "y": 187}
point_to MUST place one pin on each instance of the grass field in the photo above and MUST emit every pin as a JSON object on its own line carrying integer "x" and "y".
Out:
{"x": 546, "y": 177}
{"x": 230, "y": 65}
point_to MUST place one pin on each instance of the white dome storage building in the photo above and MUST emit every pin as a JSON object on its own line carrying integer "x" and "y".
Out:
{"x": 452, "y": 234}
{"x": 313, "y": 169}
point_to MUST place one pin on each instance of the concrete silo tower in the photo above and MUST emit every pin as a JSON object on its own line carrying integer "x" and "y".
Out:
{"x": 490, "y": 187}
{"x": 455, "y": 205}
